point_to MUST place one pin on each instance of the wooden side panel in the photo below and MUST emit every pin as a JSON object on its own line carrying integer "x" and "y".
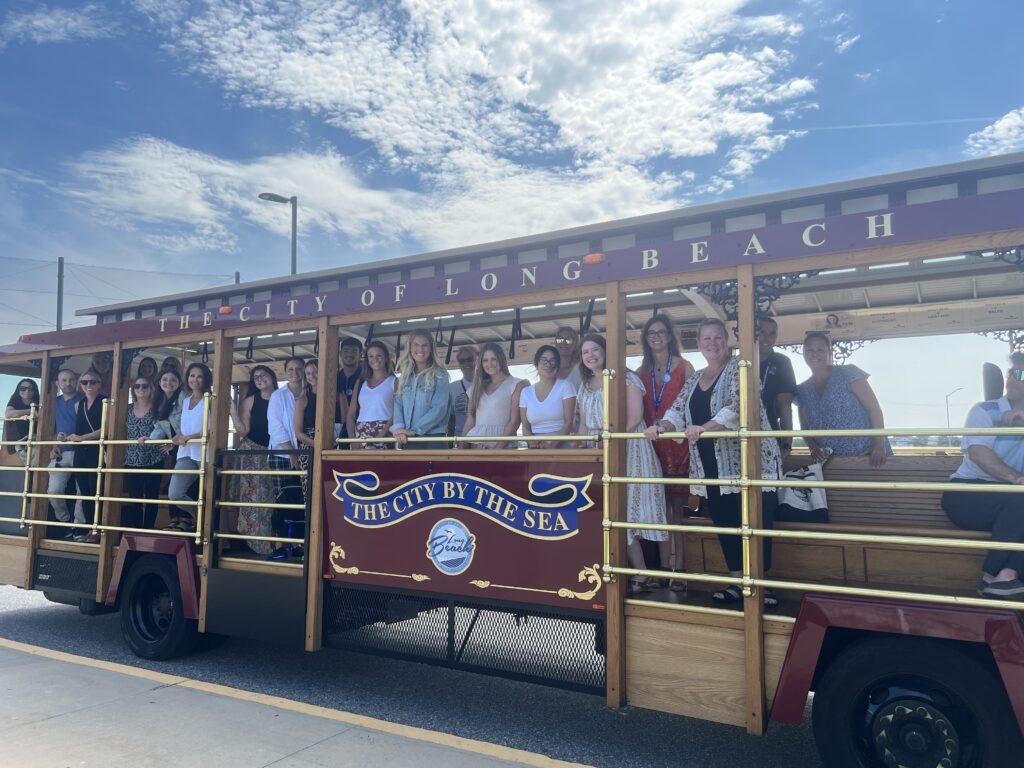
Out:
{"x": 939, "y": 569}
{"x": 686, "y": 669}
{"x": 13, "y": 558}
{"x": 775, "y": 647}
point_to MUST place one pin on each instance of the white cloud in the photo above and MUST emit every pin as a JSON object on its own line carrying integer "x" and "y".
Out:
{"x": 57, "y": 25}
{"x": 1004, "y": 135}
{"x": 843, "y": 43}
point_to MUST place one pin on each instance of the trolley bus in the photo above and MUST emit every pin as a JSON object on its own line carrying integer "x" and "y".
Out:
{"x": 878, "y": 615}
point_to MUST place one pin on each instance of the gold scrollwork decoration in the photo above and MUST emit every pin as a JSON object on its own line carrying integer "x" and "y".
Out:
{"x": 591, "y": 575}
{"x": 480, "y": 583}
{"x": 337, "y": 553}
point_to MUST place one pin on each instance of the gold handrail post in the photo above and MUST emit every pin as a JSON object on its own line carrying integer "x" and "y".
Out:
{"x": 28, "y": 463}
{"x": 204, "y": 443}
{"x": 104, "y": 407}
{"x": 606, "y": 483}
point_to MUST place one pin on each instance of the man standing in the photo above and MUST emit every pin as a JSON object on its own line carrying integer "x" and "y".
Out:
{"x": 61, "y": 455}
{"x": 778, "y": 383}
{"x": 466, "y": 358}
{"x": 281, "y": 425}
{"x": 350, "y": 357}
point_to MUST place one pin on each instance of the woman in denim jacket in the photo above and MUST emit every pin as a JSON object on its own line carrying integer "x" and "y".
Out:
{"x": 422, "y": 398}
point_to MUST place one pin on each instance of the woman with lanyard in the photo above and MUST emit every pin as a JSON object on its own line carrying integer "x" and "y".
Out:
{"x": 88, "y": 420}
{"x": 664, "y": 372}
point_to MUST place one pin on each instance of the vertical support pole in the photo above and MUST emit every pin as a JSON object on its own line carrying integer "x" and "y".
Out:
{"x": 217, "y": 410}
{"x": 295, "y": 230}
{"x": 615, "y": 464}
{"x": 60, "y": 293}
{"x": 753, "y": 562}
{"x": 112, "y": 484}
{"x": 39, "y": 508}
{"x": 29, "y": 455}
{"x": 327, "y": 385}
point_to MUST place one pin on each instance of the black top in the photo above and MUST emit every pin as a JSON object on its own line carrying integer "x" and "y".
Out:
{"x": 259, "y": 428}
{"x": 309, "y": 412}
{"x": 700, "y": 413}
{"x": 777, "y": 378}
{"x": 86, "y": 421}
{"x": 347, "y": 384}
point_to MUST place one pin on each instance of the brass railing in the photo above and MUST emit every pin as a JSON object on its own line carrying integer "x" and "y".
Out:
{"x": 749, "y": 534}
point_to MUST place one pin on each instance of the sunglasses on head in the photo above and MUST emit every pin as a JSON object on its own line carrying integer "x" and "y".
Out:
{"x": 1017, "y": 373}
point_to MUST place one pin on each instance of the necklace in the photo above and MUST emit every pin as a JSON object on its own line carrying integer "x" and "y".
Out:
{"x": 657, "y": 394}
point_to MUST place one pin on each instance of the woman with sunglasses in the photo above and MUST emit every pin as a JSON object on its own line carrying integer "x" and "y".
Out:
{"x": 142, "y": 486}
{"x": 252, "y": 433}
{"x": 88, "y": 420}
{"x": 20, "y": 405}
{"x": 547, "y": 407}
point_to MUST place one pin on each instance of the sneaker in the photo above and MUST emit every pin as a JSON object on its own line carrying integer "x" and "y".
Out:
{"x": 1005, "y": 588}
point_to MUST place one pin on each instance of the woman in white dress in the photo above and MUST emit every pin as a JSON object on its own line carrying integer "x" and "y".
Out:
{"x": 494, "y": 399}
{"x": 547, "y": 407}
{"x": 645, "y": 503}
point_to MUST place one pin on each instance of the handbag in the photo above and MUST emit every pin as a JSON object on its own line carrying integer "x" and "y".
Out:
{"x": 803, "y": 505}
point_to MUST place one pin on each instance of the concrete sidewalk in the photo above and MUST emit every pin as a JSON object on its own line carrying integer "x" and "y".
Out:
{"x": 58, "y": 710}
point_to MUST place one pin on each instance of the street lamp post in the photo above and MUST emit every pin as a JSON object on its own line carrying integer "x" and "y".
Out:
{"x": 272, "y": 198}
{"x": 949, "y": 438}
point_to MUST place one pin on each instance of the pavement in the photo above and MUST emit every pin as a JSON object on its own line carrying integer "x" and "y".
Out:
{"x": 59, "y": 709}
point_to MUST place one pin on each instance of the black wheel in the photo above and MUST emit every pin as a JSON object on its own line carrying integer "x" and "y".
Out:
{"x": 151, "y": 612}
{"x": 908, "y": 702}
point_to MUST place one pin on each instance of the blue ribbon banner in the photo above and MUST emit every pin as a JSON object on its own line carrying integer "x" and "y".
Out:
{"x": 552, "y": 512}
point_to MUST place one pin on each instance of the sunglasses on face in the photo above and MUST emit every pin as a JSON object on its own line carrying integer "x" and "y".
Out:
{"x": 466, "y": 360}
{"x": 24, "y": 389}
{"x": 141, "y": 386}
{"x": 656, "y": 334}
{"x": 1017, "y": 373}
{"x": 89, "y": 383}
{"x": 563, "y": 340}
{"x": 547, "y": 361}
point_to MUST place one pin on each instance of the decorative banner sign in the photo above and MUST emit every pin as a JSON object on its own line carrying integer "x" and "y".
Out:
{"x": 551, "y": 513}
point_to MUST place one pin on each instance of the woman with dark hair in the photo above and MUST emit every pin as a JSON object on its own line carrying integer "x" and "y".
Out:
{"x": 88, "y": 423}
{"x": 147, "y": 368}
{"x": 19, "y": 405}
{"x": 252, "y": 433}
{"x": 664, "y": 372}
{"x": 645, "y": 503}
{"x": 141, "y": 485}
{"x": 305, "y": 420}
{"x": 494, "y": 399}
{"x": 547, "y": 407}
{"x": 373, "y": 400}
{"x": 192, "y": 412}
{"x": 170, "y": 363}
{"x": 423, "y": 401}
{"x": 838, "y": 397}
{"x": 709, "y": 402}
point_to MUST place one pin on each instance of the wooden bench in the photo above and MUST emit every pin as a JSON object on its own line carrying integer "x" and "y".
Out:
{"x": 880, "y": 512}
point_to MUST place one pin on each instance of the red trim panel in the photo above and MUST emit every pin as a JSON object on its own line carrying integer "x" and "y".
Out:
{"x": 1001, "y": 630}
{"x": 182, "y": 550}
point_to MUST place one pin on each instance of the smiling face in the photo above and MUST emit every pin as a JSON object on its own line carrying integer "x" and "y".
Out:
{"x": 547, "y": 365}
{"x": 147, "y": 367}
{"x": 67, "y": 381}
{"x": 817, "y": 353}
{"x": 490, "y": 363}
{"x": 170, "y": 383}
{"x": 767, "y": 334}
{"x": 196, "y": 380}
{"x": 376, "y": 360}
{"x": 421, "y": 350}
{"x": 593, "y": 356}
{"x": 263, "y": 380}
{"x": 312, "y": 369}
{"x": 142, "y": 390}
{"x": 294, "y": 371}
{"x": 467, "y": 363}
{"x": 350, "y": 354}
{"x": 658, "y": 337}
{"x": 713, "y": 344}
{"x": 26, "y": 391}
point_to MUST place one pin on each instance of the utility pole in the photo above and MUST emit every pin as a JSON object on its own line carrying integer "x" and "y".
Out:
{"x": 60, "y": 293}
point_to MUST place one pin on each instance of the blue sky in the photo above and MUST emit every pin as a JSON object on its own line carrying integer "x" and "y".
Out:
{"x": 137, "y": 133}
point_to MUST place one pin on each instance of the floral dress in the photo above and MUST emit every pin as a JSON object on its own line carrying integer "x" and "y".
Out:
{"x": 645, "y": 503}
{"x": 836, "y": 407}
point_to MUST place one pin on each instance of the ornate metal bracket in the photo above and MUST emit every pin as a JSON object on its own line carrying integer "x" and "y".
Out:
{"x": 1012, "y": 256}
{"x": 1012, "y": 336}
{"x": 767, "y": 291}
{"x": 843, "y": 349}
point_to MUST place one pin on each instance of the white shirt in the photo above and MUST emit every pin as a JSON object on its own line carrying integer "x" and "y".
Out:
{"x": 377, "y": 403}
{"x": 1009, "y": 448}
{"x": 191, "y": 424}
{"x": 547, "y": 416}
{"x": 281, "y": 419}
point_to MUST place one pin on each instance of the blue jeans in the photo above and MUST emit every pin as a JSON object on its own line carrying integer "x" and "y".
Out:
{"x": 180, "y": 485}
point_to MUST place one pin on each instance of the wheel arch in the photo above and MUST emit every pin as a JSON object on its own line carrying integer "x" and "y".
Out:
{"x": 134, "y": 546}
{"x": 827, "y": 624}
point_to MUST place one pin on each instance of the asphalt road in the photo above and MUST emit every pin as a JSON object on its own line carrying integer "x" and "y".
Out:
{"x": 564, "y": 725}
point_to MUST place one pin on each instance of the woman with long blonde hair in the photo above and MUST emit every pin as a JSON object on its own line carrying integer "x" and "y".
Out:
{"x": 422, "y": 397}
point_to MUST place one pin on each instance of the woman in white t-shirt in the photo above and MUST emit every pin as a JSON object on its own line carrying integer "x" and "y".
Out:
{"x": 547, "y": 407}
{"x": 373, "y": 398}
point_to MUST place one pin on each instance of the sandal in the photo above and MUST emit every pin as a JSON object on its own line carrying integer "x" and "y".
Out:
{"x": 729, "y": 595}
{"x": 677, "y": 585}
{"x": 638, "y": 584}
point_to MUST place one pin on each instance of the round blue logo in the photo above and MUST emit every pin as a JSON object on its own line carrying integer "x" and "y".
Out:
{"x": 450, "y": 546}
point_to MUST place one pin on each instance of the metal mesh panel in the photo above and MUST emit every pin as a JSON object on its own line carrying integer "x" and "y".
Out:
{"x": 65, "y": 571}
{"x": 527, "y": 644}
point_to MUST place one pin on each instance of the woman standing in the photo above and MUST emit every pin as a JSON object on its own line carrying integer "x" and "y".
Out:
{"x": 148, "y": 369}
{"x": 141, "y": 485}
{"x": 494, "y": 402}
{"x": 88, "y": 421}
{"x": 645, "y": 503}
{"x": 305, "y": 421}
{"x": 709, "y": 402}
{"x": 567, "y": 342}
{"x": 20, "y": 405}
{"x": 549, "y": 406}
{"x": 252, "y": 431}
{"x": 373, "y": 400}
{"x": 167, "y": 407}
{"x": 664, "y": 372}
{"x": 198, "y": 379}
{"x": 838, "y": 397}
{"x": 423, "y": 399}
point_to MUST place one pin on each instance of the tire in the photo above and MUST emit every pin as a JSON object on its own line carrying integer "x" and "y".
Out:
{"x": 152, "y": 621}
{"x": 911, "y": 702}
